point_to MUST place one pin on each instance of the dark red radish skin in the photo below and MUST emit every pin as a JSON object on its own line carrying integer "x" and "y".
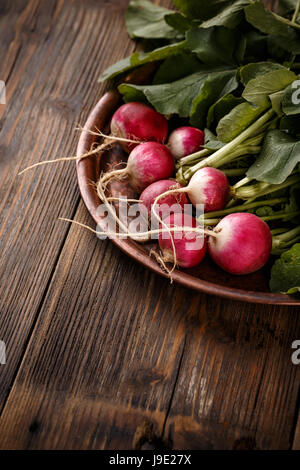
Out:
{"x": 242, "y": 244}
{"x": 177, "y": 200}
{"x": 209, "y": 187}
{"x": 190, "y": 247}
{"x": 147, "y": 163}
{"x": 137, "y": 121}
{"x": 185, "y": 141}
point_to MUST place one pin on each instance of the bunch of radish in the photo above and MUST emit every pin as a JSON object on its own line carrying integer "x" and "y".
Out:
{"x": 240, "y": 243}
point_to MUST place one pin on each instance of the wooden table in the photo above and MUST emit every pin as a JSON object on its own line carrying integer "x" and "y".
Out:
{"x": 101, "y": 353}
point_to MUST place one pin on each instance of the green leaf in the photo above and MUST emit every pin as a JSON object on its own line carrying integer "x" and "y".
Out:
{"x": 250, "y": 71}
{"x": 146, "y": 20}
{"x": 141, "y": 58}
{"x": 258, "y": 89}
{"x": 215, "y": 87}
{"x": 256, "y": 46}
{"x": 237, "y": 120}
{"x": 132, "y": 93}
{"x": 276, "y": 101}
{"x": 267, "y": 21}
{"x": 230, "y": 16}
{"x": 193, "y": 94}
{"x": 291, "y": 99}
{"x": 179, "y": 22}
{"x": 211, "y": 141}
{"x": 214, "y": 45}
{"x": 202, "y": 9}
{"x": 279, "y": 156}
{"x": 279, "y": 45}
{"x": 169, "y": 70}
{"x": 222, "y": 107}
{"x": 285, "y": 274}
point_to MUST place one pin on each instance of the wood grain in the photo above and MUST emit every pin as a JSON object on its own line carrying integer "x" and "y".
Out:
{"x": 99, "y": 349}
{"x": 50, "y": 83}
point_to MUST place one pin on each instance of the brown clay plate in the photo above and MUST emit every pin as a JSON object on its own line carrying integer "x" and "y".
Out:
{"x": 207, "y": 277}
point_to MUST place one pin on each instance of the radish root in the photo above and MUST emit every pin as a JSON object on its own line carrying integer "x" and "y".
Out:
{"x": 109, "y": 140}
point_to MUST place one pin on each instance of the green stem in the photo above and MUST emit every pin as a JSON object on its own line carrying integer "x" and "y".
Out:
{"x": 278, "y": 231}
{"x": 229, "y": 148}
{"x": 296, "y": 13}
{"x": 286, "y": 21}
{"x": 209, "y": 222}
{"x": 241, "y": 183}
{"x": 194, "y": 156}
{"x": 245, "y": 207}
{"x": 289, "y": 235}
{"x": 242, "y": 151}
{"x": 234, "y": 172}
{"x": 280, "y": 215}
{"x": 261, "y": 189}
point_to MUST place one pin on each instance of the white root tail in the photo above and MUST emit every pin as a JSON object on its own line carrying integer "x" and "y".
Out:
{"x": 109, "y": 140}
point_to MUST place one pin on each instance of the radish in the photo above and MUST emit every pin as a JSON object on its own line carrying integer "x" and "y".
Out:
{"x": 148, "y": 162}
{"x": 176, "y": 201}
{"x": 190, "y": 247}
{"x": 242, "y": 244}
{"x": 136, "y": 121}
{"x": 208, "y": 186}
{"x": 185, "y": 141}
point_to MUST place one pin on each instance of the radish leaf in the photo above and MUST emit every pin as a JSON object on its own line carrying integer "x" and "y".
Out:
{"x": 141, "y": 58}
{"x": 267, "y": 21}
{"x": 237, "y": 120}
{"x": 258, "y": 89}
{"x": 285, "y": 274}
{"x": 278, "y": 158}
{"x": 214, "y": 45}
{"x": 146, "y": 20}
{"x": 230, "y": 16}
{"x": 192, "y": 95}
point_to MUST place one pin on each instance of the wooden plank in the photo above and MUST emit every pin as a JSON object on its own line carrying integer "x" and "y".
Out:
{"x": 237, "y": 386}
{"x": 112, "y": 341}
{"x": 103, "y": 357}
{"x": 51, "y": 55}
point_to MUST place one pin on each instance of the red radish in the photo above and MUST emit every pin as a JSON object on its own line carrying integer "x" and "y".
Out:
{"x": 149, "y": 195}
{"x": 208, "y": 186}
{"x": 185, "y": 141}
{"x": 148, "y": 162}
{"x": 190, "y": 247}
{"x": 242, "y": 244}
{"x": 136, "y": 121}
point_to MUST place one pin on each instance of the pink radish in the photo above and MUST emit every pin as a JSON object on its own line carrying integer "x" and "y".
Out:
{"x": 149, "y": 195}
{"x": 190, "y": 247}
{"x": 208, "y": 186}
{"x": 242, "y": 244}
{"x": 148, "y": 162}
{"x": 185, "y": 141}
{"x": 136, "y": 121}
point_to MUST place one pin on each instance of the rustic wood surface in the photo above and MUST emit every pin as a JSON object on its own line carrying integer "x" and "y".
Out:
{"x": 101, "y": 353}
